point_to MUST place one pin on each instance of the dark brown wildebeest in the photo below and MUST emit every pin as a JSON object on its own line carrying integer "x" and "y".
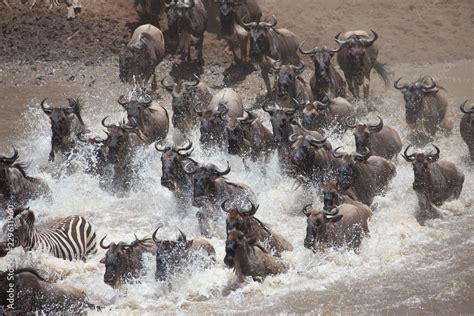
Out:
{"x": 357, "y": 57}
{"x": 343, "y": 225}
{"x": 115, "y": 156}
{"x": 66, "y": 124}
{"x": 467, "y": 127}
{"x": 435, "y": 182}
{"x": 150, "y": 118}
{"x": 325, "y": 79}
{"x": 248, "y": 137}
{"x": 124, "y": 261}
{"x": 382, "y": 140}
{"x": 254, "y": 229}
{"x": 249, "y": 260}
{"x": 290, "y": 85}
{"x": 210, "y": 189}
{"x": 149, "y": 11}
{"x": 362, "y": 176}
{"x": 15, "y": 186}
{"x": 425, "y": 108}
{"x": 224, "y": 105}
{"x": 173, "y": 256}
{"x": 139, "y": 58}
{"x": 327, "y": 114}
{"x": 32, "y": 293}
{"x": 187, "y": 96}
{"x": 173, "y": 176}
{"x": 188, "y": 18}
{"x": 268, "y": 44}
{"x": 231, "y": 13}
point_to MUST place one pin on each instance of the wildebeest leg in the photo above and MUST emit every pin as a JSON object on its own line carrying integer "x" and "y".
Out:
{"x": 203, "y": 220}
{"x": 200, "y": 45}
{"x": 266, "y": 78}
{"x": 154, "y": 86}
{"x": 350, "y": 85}
{"x": 366, "y": 85}
{"x": 243, "y": 49}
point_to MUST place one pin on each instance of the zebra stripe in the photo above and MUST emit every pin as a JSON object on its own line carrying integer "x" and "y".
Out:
{"x": 70, "y": 238}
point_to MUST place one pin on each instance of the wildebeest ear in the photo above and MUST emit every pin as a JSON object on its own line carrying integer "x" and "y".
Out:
{"x": 102, "y": 260}
{"x": 333, "y": 219}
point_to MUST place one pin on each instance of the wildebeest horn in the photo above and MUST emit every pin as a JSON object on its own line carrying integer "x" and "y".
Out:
{"x": 221, "y": 173}
{"x": 335, "y": 154}
{"x": 298, "y": 68}
{"x": 187, "y": 147}
{"x": 44, "y": 108}
{"x": 122, "y": 101}
{"x": 306, "y": 52}
{"x": 307, "y": 209}
{"x": 102, "y": 243}
{"x": 172, "y": 3}
{"x": 154, "y": 233}
{"x": 294, "y": 137}
{"x": 321, "y": 105}
{"x": 340, "y": 42}
{"x": 226, "y": 210}
{"x": 368, "y": 42}
{"x": 378, "y": 127}
{"x": 406, "y": 156}
{"x": 350, "y": 122}
{"x": 253, "y": 208}
{"x": 289, "y": 111}
{"x": 182, "y": 236}
{"x": 434, "y": 157}
{"x": 249, "y": 118}
{"x": 223, "y": 111}
{"x": 169, "y": 87}
{"x": 314, "y": 141}
{"x": 193, "y": 83}
{"x": 464, "y": 110}
{"x": 276, "y": 65}
{"x": 273, "y": 22}
{"x": 118, "y": 43}
{"x": 250, "y": 25}
{"x": 189, "y": 171}
{"x": 103, "y": 123}
{"x": 429, "y": 86}
{"x": 12, "y": 159}
{"x": 329, "y": 214}
{"x": 363, "y": 156}
{"x": 161, "y": 149}
{"x": 402, "y": 87}
{"x": 335, "y": 50}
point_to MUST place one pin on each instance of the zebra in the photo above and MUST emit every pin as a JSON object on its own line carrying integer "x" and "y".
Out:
{"x": 70, "y": 238}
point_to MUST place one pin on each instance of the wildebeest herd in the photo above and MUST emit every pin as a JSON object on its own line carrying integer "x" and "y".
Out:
{"x": 301, "y": 117}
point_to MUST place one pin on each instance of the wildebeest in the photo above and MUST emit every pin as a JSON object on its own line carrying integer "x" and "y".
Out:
{"x": 188, "y": 18}
{"x": 343, "y": 225}
{"x": 382, "y": 140}
{"x": 149, "y": 11}
{"x": 15, "y": 186}
{"x": 32, "y": 294}
{"x": 325, "y": 79}
{"x": 224, "y": 105}
{"x": 172, "y": 256}
{"x": 357, "y": 57}
{"x": 362, "y": 176}
{"x": 147, "y": 116}
{"x": 435, "y": 182}
{"x": 231, "y": 13}
{"x": 139, "y": 58}
{"x": 66, "y": 124}
{"x": 249, "y": 260}
{"x": 326, "y": 114}
{"x": 254, "y": 229}
{"x": 268, "y": 44}
{"x": 467, "y": 127}
{"x": 210, "y": 189}
{"x": 186, "y": 97}
{"x": 248, "y": 137}
{"x": 425, "y": 107}
{"x": 124, "y": 261}
{"x": 290, "y": 85}
{"x": 115, "y": 156}
{"x": 173, "y": 176}
{"x": 70, "y": 238}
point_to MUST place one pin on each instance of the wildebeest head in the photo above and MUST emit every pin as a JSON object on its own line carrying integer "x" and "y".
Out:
{"x": 179, "y": 7}
{"x": 238, "y": 218}
{"x": 362, "y": 133}
{"x": 12, "y": 174}
{"x": 331, "y": 197}
{"x": 204, "y": 179}
{"x": 181, "y": 93}
{"x": 169, "y": 253}
{"x": 235, "y": 239}
{"x": 63, "y": 120}
{"x": 136, "y": 110}
{"x": 286, "y": 79}
{"x": 301, "y": 153}
{"x": 281, "y": 119}
{"x": 235, "y": 134}
{"x": 414, "y": 94}
{"x": 122, "y": 261}
{"x": 213, "y": 123}
{"x": 173, "y": 161}
{"x": 345, "y": 171}
{"x": 314, "y": 113}
{"x": 316, "y": 224}
{"x": 132, "y": 59}
{"x": 321, "y": 58}
{"x": 470, "y": 112}
{"x": 227, "y": 15}
{"x": 259, "y": 41}
{"x": 421, "y": 162}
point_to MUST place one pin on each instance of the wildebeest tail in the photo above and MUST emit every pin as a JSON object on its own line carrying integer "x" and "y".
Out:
{"x": 383, "y": 72}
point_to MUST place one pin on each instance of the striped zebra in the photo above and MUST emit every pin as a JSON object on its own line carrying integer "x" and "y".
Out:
{"x": 71, "y": 238}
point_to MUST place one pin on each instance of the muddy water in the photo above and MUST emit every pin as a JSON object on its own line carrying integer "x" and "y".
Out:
{"x": 402, "y": 268}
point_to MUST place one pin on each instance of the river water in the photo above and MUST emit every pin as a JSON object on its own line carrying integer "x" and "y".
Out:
{"x": 402, "y": 268}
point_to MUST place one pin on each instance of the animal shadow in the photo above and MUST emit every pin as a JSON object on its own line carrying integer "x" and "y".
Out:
{"x": 185, "y": 70}
{"x": 237, "y": 73}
